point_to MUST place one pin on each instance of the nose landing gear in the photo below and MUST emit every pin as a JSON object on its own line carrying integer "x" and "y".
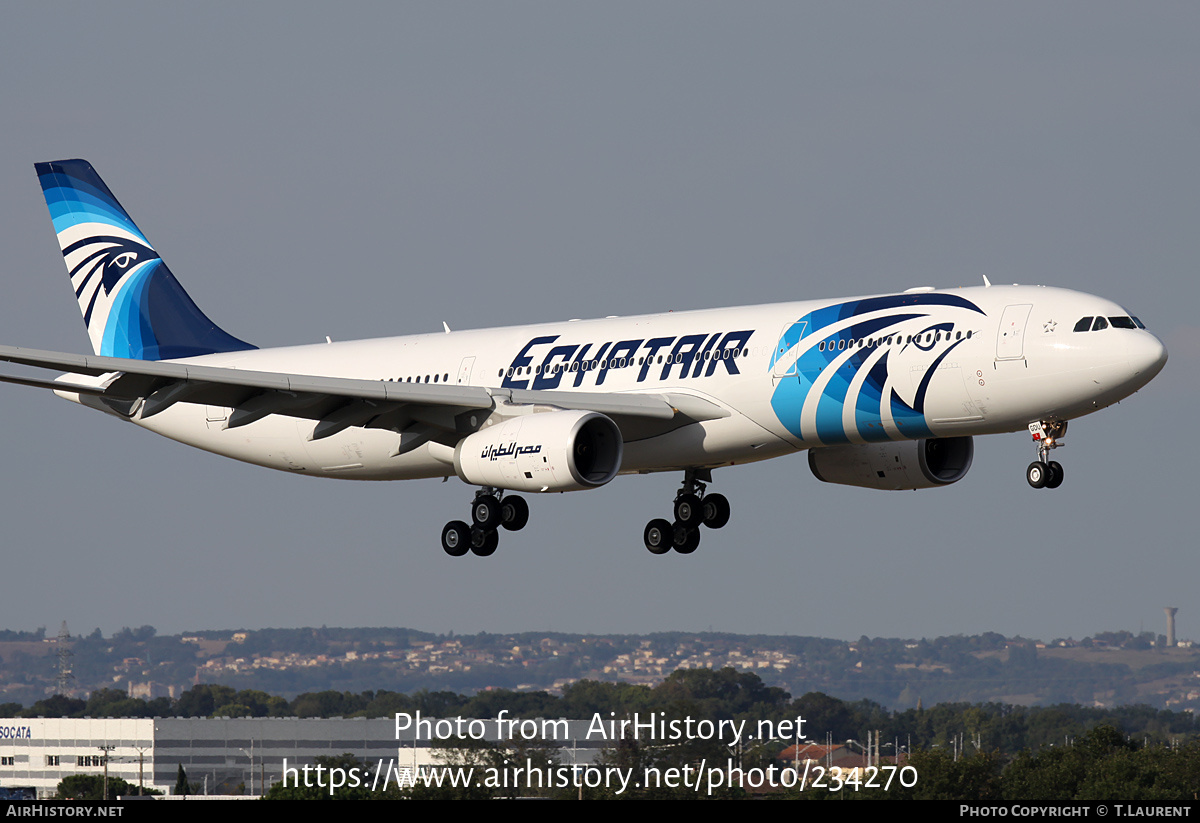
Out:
{"x": 489, "y": 513}
{"x": 1044, "y": 473}
{"x": 693, "y": 509}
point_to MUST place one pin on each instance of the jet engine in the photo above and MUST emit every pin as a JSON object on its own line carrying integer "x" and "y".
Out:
{"x": 910, "y": 464}
{"x": 547, "y": 451}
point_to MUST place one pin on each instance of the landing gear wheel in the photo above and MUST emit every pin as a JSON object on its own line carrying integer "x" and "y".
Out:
{"x": 485, "y": 512}
{"x": 689, "y": 511}
{"x": 484, "y": 542}
{"x": 685, "y": 540}
{"x": 514, "y": 513}
{"x": 1055, "y": 478}
{"x": 1037, "y": 474}
{"x": 659, "y": 536}
{"x": 716, "y": 510}
{"x": 456, "y": 538}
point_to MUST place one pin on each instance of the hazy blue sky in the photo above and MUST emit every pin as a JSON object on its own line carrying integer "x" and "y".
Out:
{"x": 364, "y": 170}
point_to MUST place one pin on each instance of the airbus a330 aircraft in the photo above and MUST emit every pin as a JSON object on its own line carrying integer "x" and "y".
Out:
{"x": 884, "y": 392}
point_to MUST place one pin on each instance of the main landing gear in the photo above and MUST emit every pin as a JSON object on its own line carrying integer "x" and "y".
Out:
{"x": 489, "y": 512}
{"x": 1044, "y": 473}
{"x": 693, "y": 509}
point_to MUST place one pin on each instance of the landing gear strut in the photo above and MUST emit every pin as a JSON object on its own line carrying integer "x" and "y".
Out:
{"x": 489, "y": 512}
{"x": 1045, "y": 473}
{"x": 693, "y": 509}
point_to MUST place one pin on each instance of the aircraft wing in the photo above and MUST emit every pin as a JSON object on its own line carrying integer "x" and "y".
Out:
{"x": 143, "y": 388}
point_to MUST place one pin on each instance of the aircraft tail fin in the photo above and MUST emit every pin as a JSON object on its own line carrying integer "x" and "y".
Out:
{"x": 132, "y": 305}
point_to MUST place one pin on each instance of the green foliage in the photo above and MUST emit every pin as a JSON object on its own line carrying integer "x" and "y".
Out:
{"x": 56, "y": 706}
{"x": 329, "y": 704}
{"x": 940, "y": 777}
{"x": 203, "y": 699}
{"x": 233, "y": 710}
{"x": 128, "y": 635}
{"x": 1104, "y": 766}
{"x": 182, "y": 787}
{"x": 91, "y": 787}
{"x": 585, "y": 698}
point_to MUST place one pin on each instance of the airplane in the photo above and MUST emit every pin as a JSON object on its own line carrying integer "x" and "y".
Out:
{"x": 883, "y": 391}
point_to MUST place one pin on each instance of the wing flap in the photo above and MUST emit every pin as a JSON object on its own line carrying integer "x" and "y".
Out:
{"x": 611, "y": 403}
{"x": 56, "y": 385}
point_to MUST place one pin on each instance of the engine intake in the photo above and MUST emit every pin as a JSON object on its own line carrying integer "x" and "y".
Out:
{"x": 909, "y": 464}
{"x": 547, "y": 451}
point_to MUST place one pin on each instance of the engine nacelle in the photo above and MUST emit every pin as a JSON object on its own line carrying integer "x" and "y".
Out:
{"x": 547, "y": 451}
{"x": 910, "y": 464}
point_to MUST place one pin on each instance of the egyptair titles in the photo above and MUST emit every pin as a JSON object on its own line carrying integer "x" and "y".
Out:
{"x": 568, "y": 365}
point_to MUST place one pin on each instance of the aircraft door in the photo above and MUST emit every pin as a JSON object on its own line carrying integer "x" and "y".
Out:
{"x": 787, "y": 394}
{"x": 786, "y": 355}
{"x": 464, "y": 371}
{"x": 1010, "y": 338}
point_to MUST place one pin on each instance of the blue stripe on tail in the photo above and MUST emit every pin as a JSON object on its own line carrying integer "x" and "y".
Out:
{"x": 131, "y": 303}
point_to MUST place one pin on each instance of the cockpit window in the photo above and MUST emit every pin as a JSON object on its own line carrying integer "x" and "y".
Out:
{"x": 1098, "y": 323}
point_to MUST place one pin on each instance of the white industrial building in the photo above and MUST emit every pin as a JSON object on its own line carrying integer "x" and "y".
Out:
{"x": 218, "y": 754}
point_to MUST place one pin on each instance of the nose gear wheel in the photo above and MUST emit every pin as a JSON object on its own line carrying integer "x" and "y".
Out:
{"x": 1045, "y": 473}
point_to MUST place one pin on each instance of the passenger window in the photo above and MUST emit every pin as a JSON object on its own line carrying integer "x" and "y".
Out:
{"x": 1100, "y": 323}
{"x": 1084, "y": 324}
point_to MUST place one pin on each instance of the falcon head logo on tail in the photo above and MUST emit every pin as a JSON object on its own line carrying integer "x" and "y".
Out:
{"x": 131, "y": 303}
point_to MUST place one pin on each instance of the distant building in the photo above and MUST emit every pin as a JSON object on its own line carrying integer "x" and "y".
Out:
{"x": 151, "y": 690}
{"x": 817, "y": 753}
{"x": 218, "y": 754}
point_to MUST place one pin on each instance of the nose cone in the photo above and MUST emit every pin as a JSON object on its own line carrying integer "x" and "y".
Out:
{"x": 1146, "y": 355}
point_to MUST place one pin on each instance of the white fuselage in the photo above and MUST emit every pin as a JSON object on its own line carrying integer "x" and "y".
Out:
{"x": 791, "y": 376}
